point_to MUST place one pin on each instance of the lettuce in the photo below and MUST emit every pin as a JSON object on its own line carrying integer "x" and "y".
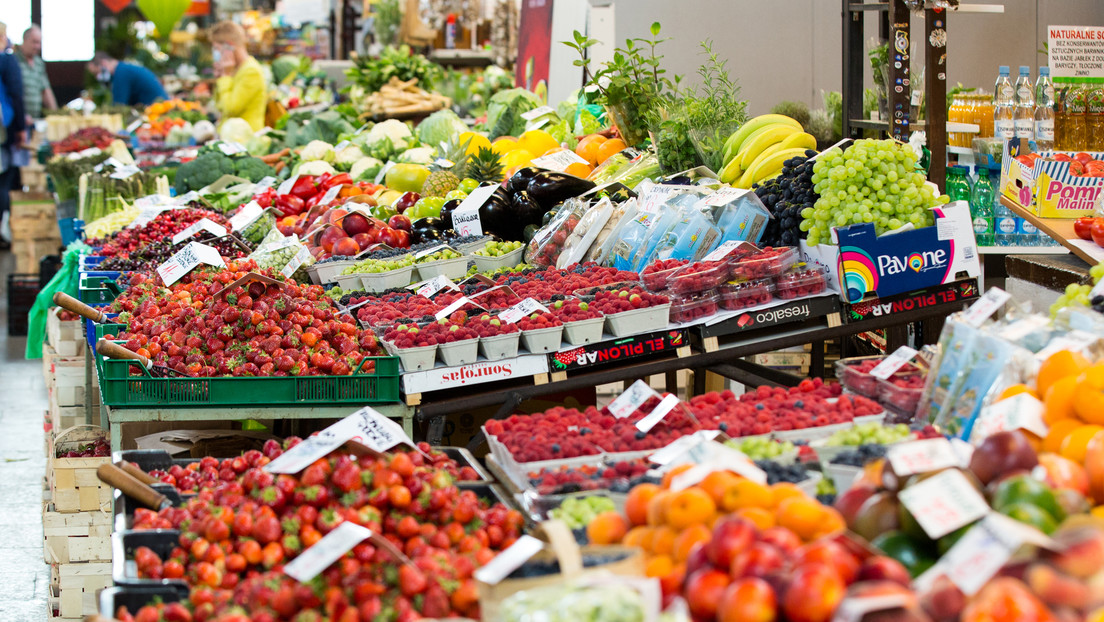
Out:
{"x": 440, "y": 127}
{"x": 504, "y": 112}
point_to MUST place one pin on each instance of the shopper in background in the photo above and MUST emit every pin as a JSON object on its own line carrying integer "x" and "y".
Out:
{"x": 37, "y": 94}
{"x": 241, "y": 90}
{"x": 131, "y": 85}
{"x": 12, "y": 125}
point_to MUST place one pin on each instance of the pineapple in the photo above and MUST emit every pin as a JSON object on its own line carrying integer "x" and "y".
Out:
{"x": 483, "y": 166}
{"x": 446, "y": 172}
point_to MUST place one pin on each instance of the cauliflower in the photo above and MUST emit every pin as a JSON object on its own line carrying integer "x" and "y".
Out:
{"x": 348, "y": 156}
{"x": 315, "y": 167}
{"x": 418, "y": 155}
{"x": 365, "y": 169}
{"x": 317, "y": 150}
{"x": 235, "y": 130}
{"x": 386, "y": 139}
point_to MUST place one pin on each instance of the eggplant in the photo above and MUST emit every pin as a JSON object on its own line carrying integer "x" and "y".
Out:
{"x": 549, "y": 215}
{"x": 446, "y": 212}
{"x": 526, "y": 210}
{"x": 520, "y": 180}
{"x": 681, "y": 180}
{"x": 529, "y": 232}
{"x": 430, "y": 221}
{"x": 424, "y": 234}
{"x": 495, "y": 216}
{"x": 549, "y": 188}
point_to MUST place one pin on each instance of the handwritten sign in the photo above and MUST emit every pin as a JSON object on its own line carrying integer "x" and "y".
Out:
{"x": 983, "y": 550}
{"x": 230, "y": 148}
{"x": 203, "y": 224}
{"x": 434, "y": 285}
{"x": 288, "y": 184}
{"x": 311, "y": 562}
{"x": 649, "y": 421}
{"x": 301, "y": 256}
{"x": 246, "y": 216}
{"x": 539, "y": 111}
{"x": 943, "y": 502}
{"x": 922, "y": 456}
{"x": 1019, "y": 412}
{"x": 365, "y": 426}
{"x": 893, "y": 362}
{"x": 521, "y": 551}
{"x": 465, "y": 218}
{"x": 330, "y": 195}
{"x": 186, "y": 259}
{"x": 558, "y": 161}
{"x": 520, "y": 310}
{"x": 632, "y": 399}
{"x": 985, "y": 306}
{"x": 455, "y": 306}
{"x": 682, "y": 445}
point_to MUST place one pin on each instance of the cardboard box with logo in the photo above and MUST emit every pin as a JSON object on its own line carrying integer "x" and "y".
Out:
{"x": 1051, "y": 188}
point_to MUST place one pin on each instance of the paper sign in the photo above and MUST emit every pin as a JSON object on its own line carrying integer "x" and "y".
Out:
{"x": 455, "y": 306}
{"x": 341, "y": 145}
{"x": 434, "y": 285}
{"x": 520, "y": 310}
{"x": 187, "y": 198}
{"x": 1021, "y": 411}
{"x": 723, "y": 196}
{"x": 311, "y": 562}
{"x": 382, "y": 174}
{"x": 723, "y": 250}
{"x": 377, "y": 432}
{"x": 125, "y": 172}
{"x": 742, "y": 466}
{"x": 682, "y": 445}
{"x": 893, "y": 362}
{"x": 147, "y": 214}
{"x": 985, "y": 306}
{"x": 632, "y": 399}
{"x": 854, "y": 608}
{"x": 365, "y": 426}
{"x": 230, "y": 149}
{"x": 186, "y": 259}
{"x": 465, "y": 218}
{"x": 943, "y": 502}
{"x": 652, "y": 199}
{"x": 267, "y": 182}
{"x": 429, "y": 251}
{"x": 537, "y": 112}
{"x": 330, "y": 195}
{"x": 665, "y": 406}
{"x": 300, "y": 257}
{"x": 945, "y": 229}
{"x": 984, "y": 549}
{"x": 558, "y": 161}
{"x": 133, "y": 126}
{"x": 922, "y": 456}
{"x": 245, "y": 216}
{"x": 509, "y": 560}
{"x": 1075, "y": 51}
{"x": 287, "y": 185}
{"x": 203, "y": 224}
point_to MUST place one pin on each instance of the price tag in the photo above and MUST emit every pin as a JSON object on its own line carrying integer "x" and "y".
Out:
{"x": 722, "y": 251}
{"x": 134, "y": 126}
{"x": 245, "y": 216}
{"x": 537, "y": 112}
{"x": 984, "y": 549}
{"x": 365, "y": 426}
{"x": 893, "y": 362}
{"x": 377, "y": 432}
{"x": 922, "y": 456}
{"x": 147, "y": 214}
{"x": 311, "y": 562}
{"x": 186, "y": 259}
{"x": 509, "y": 560}
{"x": 382, "y": 174}
{"x": 724, "y": 196}
{"x": 520, "y": 310}
{"x": 267, "y": 182}
{"x": 300, "y": 257}
{"x": 126, "y": 172}
{"x": 854, "y": 608}
{"x": 650, "y": 420}
{"x": 341, "y": 145}
{"x": 286, "y": 187}
{"x": 632, "y": 399}
{"x": 203, "y": 224}
{"x": 429, "y": 251}
{"x": 944, "y": 502}
{"x": 985, "y": 306}
{"x": 455, "y": 306}
{"x": 1021, "y": 411}
{"x": 682, "y": 445}
{"x": 434, "y": 285}
{"x": 558, "y": 161}
{"x": 110, "y": 162}
{"x": 187, "y": 198}
{"x": 465, "y": 218}
{"x": 740, "y": 465}
{"x": 330, "y": 195}
{"x": 230, "y": 149}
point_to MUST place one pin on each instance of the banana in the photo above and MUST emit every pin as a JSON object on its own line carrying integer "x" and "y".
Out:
{"x": 736, "y": 140}
{"x": 772, "y": 164}
{"x": 731, "y": 171}
{"x": 735, "y": 154}
{"x": 756, "y": 146}
{"x": 803, "y": 140}
{"x": 747, "y": 177}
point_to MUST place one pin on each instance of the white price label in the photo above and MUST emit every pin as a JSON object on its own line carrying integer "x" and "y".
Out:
{"x": 112, "y": 162}
{"x": 724, "y": 196}
{"x": 465, "y": 218}
{"x": 311, "y": 562}
{"x": 245, "y": 216}
{"x": 945, "y": 229}
{"x": 893, "y": 362}
{"x": 365, "y": 426}
{"x": 854, "y": 608}
{"x": 126, "y": 172}
{"x": 558, "y": 161}
{"x": 722, "y": 251}
{"x": 287, "y": 185}
{"x": 231, "y": 149}
{"x": 537, "y": 112}
{"x": 520, "y": 310}
{"x": 203, "y": 224}
{"x": 521, "y": 551}
{"x": 267, "y": 182}
{"x": 982, "y": 551}
{"x": 134, "y": 126}
{"x": 377, "y": 432}
{"x": 341, "y": 145}
{"x": 652, "y": 199}
{"x": 434, "y": 285}
{"x": 682, "y": 445}
{"x": 330, "y": 195}
{"x": 429, "y": 251}
{"x": 985, "y": 306}
{"x": 455, "y": 306}
{"x": 382, "y": 174}
{"x": 944, "y": 502}
{"x": 186, "y": 259}
{"x": 922, "y": 456}
{"x": 300, "y": 257}
{"x": 632, "y": 399}
{"x": 1019, "y": 412}
{"x": 187, "y": 198}
{"x": 147, "y": 214}
{"x": 649, "y": 421}
{"x": 738, "y": 464}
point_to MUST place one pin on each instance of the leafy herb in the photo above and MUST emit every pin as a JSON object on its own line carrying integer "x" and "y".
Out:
{"x": 369, "y": 74}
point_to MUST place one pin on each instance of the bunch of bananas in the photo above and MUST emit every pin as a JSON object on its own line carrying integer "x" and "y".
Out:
{"x": 756, "y": 151}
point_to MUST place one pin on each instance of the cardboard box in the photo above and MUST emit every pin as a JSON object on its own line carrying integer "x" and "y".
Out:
{"x": 902, "y": 261}
{"x": 1048, "y": 187}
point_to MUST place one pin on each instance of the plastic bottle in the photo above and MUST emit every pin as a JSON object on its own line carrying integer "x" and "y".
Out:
{"x": 1094, "y": 115}
{"x": 1076, "y": 130}
{"x": 1004, "y": 104}
{"x": 958, "y": 189}
{"x": 1005, "y": 227}
{"x": 981, "y": 208}
{"x": 1030, "y": 235}
{"x": 1044, "y": 111}
{"x": 1024, "y": 114}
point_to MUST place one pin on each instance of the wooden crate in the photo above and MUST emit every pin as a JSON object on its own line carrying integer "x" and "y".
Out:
{"x": 65, "y": 417}
{"x": 77, "y": 591}
{"x": 33, "y": 177}
{"x": 73, "y": 481}
{"x": 65, "y": 378}
{"x": 65, "y": 337}
{"x": 33, "y": 216}
{"x": 28, "y": 253}
{"x": 76, "y": 536}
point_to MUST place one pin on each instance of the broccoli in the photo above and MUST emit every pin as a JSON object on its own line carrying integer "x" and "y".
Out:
{"x": 210, "y": 165}
{"x": 253, "y": 169}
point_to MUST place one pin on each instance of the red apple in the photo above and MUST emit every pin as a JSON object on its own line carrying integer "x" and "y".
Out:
{"x": 399, "y": 221}
{"x": 731, "y": 536}
{"x": 781, "y": 538}
{"x": 329, "y": 236}
{"x": 355, "y": 223}
{"x": 388, "y": 236}
{"x": 402, "y": 239}
{"x": 813, "y": 595}
{"x": 406, "y": 201}
{"x": 703, "y": 592}
{"x": 831, "y": 554}
{"x": 335, "y": 216}
{"x": 364, "y": 240}
{"x": 698, "y": 559}
{"x": 882, "y": 568}
{"x": 759, "y": 560}
{"x": 850, "y": 502}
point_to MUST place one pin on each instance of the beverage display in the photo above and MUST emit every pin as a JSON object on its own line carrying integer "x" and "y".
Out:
{"x": 1006, "y": 223}
{"x": 958, "y": 189}
{"x": 1044, "y": 110}
{"x": 1024, "y": 112}
{"x": 1094, "y": 115}
{"x": 981, "y": 208}
{"x": 1072, "y": 131}
{"x": 1004, "y": 104}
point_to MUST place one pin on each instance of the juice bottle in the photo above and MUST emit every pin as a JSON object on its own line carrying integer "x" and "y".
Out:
{"x": 1094, "y": 115}
{"x": 1076, "y": 134}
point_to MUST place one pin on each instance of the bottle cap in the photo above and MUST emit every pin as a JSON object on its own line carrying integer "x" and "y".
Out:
{"x": 982, "y": 170}
{"x": 1044, "y": 71}
{"x": 1025, "y": 70}
{"x": 1004, "y": 70}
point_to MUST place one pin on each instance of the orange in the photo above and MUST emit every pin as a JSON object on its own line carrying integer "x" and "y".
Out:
{"x": 657, "y": 508}
{"x": 1058, "y": 432}
{"x": 587, "y": 148}
{"x": 747, "y": 494}
{"x": 692, "y": 506}
{"x": 1058, "y": 401}
{"x": 689, "y": 538}
{"x": 1059, "y": 365}
{"x": 607, "y": 528}
{"x": 659, "y": 566}
{"x": 786, "y": 490}
{"x": 663, "y": 541}
{"x": 1088, "y": 397}
{"x": 578, "y": 169}
{"x": 610, "y": 147}
{"x": 636, "y": 536}
{"x": 673, "y": 473}
{"x": 1076, "y": 442}
{"x": 761, "y": 517}
{"x": 801, "y": 515}
{"x": 718, "y": 483}
{"x": 831, "y": 522}
{"x": 636, "y": 503}
{"x": 1016, "y": 389}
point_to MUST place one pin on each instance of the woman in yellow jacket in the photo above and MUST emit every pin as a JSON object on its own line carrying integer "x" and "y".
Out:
{"x": 240, "y": 90}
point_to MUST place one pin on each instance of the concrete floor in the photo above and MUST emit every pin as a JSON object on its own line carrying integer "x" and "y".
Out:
{"x": 24, "y": 577}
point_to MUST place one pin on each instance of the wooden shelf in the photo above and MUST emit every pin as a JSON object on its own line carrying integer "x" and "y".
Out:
{"x": 1061, "y": 229}
{"x": 1022, "y": 250}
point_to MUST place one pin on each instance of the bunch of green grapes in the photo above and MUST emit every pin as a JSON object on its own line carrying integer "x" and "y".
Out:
{"x": 873, "y": 181}
{"x": 1078, "y": 295}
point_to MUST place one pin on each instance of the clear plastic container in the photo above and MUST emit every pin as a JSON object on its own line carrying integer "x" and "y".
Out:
{"x": 413, "y": 359}
{"x": 801, "y": 281}
{"x": 766, "y": 262}
{"x": 699, "y": 277}
{"x": 901, "y": 392}
{"x": 742, "y": 294}
{"x": 383, "y": 281}
{"x": 509, "y": 260}
{"x": 638, "y": 321}
{"x": 454, "y": 268}
{"x": 854, "y": 374}
{"x": 656, "y": 280}
{"x": 693, "y": 307}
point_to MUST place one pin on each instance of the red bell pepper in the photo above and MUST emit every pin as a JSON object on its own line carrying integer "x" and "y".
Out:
{"x": 304, "y": 187}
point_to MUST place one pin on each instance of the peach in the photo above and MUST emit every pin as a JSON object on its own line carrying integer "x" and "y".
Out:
{"x": 607, "y": 528}
{"x": 759, "y": 560}
{"x": 731, "y": 536}
{"x": 813, "y": 594}
{"x": 748, "y": 600}
{"x": 1083, "y": 548}
{"x": 692, "y": 506}
{"x": 703, "y": 592}
{"x": 944, "y": 602}
{"x": 1056, "y": 588}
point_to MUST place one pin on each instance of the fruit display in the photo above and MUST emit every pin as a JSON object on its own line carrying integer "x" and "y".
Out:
{"x": 86, "y": 138}
{"x": 854, "y": 374}
{"x": 801, "y": 281}
{"x": 614, "y": 476}
{"x": 580, "y": 511}
{"x": 759, "y": 149}
{"x": 163, "y": 225}
{"x": 744, "y": 293}
{"x": 763, "y": 448}
{"x": 498, "y": 249}
{"x": 786, "y": 196}
{"x": 869, "y": 434}
{"x": 154, "y": 253}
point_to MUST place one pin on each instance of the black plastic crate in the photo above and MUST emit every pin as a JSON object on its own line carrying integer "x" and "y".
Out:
{"x": 22, "y": 289}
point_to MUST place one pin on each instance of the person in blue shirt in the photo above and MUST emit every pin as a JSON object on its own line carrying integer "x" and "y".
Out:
{"x": 130, "y": 84}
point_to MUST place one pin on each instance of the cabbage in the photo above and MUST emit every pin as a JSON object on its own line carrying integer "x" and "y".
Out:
{"x": 317, "y": 150}
{"x": 418, "y": 155}
{"x": 235, "y": 130}
{"x": 440, "y": 127}
{"x": 365, "y": 169}
{"x": 504, "y": 112}
{"x": 259, "y": 145}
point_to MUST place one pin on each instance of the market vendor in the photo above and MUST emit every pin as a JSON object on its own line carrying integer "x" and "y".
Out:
{"x": 131, "y": 84}
{"x": 241, "y": 90}
{"x": 37, "y": 93}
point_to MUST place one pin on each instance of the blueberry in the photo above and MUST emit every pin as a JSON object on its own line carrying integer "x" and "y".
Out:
{"x": 641, "y": 435}
{"x": 723, "y": 427}
{"x": 584, "y": 431}
{"x": 555, "y": 448}
{"x": 799, "y": 404}
{"x": 759, "y": 406}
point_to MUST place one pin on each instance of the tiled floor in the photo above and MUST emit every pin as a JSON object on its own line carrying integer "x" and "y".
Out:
{"x": 24, "y": 577}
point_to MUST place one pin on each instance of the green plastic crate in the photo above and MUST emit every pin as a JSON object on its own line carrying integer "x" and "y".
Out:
{"x": 97, "y": 290}
{"x": 120, "y": 389}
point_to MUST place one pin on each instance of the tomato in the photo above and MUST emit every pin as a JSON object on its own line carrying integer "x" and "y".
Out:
{"x": 1097, "y": 231}
{"x": 1083, "y": 226}
{"x": 1082, "y": 157}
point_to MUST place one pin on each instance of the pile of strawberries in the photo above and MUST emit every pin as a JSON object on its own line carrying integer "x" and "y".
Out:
{"x": 164, "y": 225}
